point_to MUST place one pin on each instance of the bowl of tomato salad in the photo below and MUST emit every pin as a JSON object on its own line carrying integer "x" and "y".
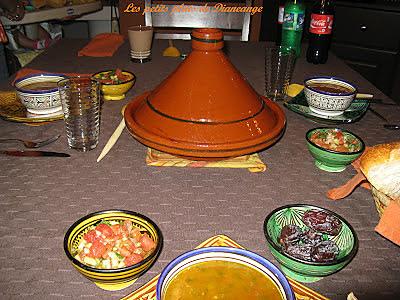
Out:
{"x": 113, "y": 248}
{"x": 333, "y": 148}
{"x": 115, "y": 83}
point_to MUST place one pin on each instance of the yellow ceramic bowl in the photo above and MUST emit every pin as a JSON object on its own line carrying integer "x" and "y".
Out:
{"x": 116, "y": 91}
{"x": 114, "y": 279}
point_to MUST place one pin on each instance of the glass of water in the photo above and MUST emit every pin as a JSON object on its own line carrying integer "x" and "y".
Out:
{"x": 80, "y": 99}
{"x": 279, "y": 65}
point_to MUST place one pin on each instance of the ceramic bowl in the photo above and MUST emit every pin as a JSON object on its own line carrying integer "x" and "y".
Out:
{"x": 330, "y": 160}
{"x": 112, "y": 279}
{"x": 328, "y": 103}
{"x": 244, "y": 257}
{"x": 299, "y": 269}
{"x": 41, "y": 102}
{"x": 116, "y": 91}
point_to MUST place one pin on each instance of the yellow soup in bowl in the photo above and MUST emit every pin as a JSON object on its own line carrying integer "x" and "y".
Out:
{"x": 220, "y": 279}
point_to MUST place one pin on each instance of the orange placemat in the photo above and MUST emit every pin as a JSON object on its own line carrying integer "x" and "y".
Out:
{"x": 148, "y": 291}
{"x": 251, "y": 162}
{"x": 28, "y": 71}
{"x": 102, "y": 45}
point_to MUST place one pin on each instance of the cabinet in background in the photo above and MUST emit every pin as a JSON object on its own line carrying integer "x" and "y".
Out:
{"x": 367, "y": 38}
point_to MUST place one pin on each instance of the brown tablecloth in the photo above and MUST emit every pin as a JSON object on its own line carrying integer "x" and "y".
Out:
{"x": 41, "y": 197}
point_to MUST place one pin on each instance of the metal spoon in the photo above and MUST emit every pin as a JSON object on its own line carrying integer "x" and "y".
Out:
{"x": 387, "y": 126}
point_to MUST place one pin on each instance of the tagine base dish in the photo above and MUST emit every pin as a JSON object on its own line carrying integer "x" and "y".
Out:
{"x": 212, "y": 150}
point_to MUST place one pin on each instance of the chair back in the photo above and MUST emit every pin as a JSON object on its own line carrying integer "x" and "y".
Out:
{"x": 176, "y": 20}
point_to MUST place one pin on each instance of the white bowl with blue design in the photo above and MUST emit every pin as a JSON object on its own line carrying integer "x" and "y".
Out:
{"x": 328, "y": 103}
{"x": 236, "y": 255}
{"x": 40, "y": 102}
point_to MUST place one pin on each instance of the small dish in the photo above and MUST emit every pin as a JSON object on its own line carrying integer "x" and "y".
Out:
{"x": 329, "y": 96}
{"x": 232, "y": 259}
{"x": 39, "y": 93}
{"x": 352, "y": 114}
{"x": 11, "y": 109}
{"x": 116, "y": 278}
{"x": 300, "y": 269}
{"x": 334, "y": 160}
{"x": 115, "y": 91}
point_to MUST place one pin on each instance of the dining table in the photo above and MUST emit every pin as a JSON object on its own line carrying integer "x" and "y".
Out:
{"x": 41, "y": 197}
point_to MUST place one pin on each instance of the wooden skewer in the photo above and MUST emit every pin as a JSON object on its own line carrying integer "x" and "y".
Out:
{"x": 114, "y": 138}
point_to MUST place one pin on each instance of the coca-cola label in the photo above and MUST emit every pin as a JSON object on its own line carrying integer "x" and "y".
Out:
{"x": 321, "y": 24}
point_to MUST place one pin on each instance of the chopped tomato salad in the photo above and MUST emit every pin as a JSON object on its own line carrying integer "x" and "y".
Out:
{"x": 114, "y": 244}
{"x": 112, "y": 77}
{"x": 335, "y": 140}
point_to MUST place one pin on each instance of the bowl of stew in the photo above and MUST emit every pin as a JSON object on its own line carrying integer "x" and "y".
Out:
{"x": 222, "y": 273}
{"x": 39, "y": 93}
{"x": 309, "y": 242}
{"x": 115, "y": 83}
{"x": 328, "y": 96}
{"x": 333, "y": 148}
{"x": 113, "y": 248}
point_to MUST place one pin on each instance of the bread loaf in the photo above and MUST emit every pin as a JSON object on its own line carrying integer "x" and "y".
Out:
{"x": 381, "y": 166}
{"x": 56, "y": 3}
{"x": 38, "y": 3}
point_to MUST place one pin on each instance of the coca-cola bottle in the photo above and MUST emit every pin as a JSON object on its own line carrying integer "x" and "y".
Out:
{"x": 320, "y": 30}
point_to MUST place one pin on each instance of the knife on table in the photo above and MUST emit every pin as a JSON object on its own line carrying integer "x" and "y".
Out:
{"x": 33, "y": 153}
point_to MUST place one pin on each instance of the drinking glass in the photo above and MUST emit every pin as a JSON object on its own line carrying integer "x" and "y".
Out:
{"x": 140, "y": 40}
{"x": 279, "y": 65}
{"x": 80, "y": 99}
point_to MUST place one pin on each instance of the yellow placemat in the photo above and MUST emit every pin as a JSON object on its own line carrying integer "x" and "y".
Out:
{"x": 251, "y": 162}
{"x": 148, "y": 291}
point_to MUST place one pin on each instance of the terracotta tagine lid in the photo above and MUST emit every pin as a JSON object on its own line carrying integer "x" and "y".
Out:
{"x": 205, "y": 109}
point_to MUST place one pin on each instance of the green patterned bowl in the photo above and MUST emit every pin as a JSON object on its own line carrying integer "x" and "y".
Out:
{"x": 302, "y": 270}
{"x": 112, "y": 279}
{"x": 330, "y": 160}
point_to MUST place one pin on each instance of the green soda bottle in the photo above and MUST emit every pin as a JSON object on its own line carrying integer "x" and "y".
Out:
{"x": 292, "y": 28}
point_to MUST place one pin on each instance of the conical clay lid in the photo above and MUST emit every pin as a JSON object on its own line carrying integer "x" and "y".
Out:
{"x": 205, "y": 109}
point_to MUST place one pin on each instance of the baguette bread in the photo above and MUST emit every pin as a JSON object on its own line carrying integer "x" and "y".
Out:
{"x": 381, "y": 166}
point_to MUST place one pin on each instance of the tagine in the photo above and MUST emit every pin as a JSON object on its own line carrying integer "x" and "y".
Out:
{"x": 205, "y": 109}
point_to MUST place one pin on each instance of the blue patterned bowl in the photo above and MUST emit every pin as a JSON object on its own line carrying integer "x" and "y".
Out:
{"x": 41, "y": 101}
{"x": 241, "y": 256}
{"x": 328, "y": 103}
{"x": 300, "y": 269}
